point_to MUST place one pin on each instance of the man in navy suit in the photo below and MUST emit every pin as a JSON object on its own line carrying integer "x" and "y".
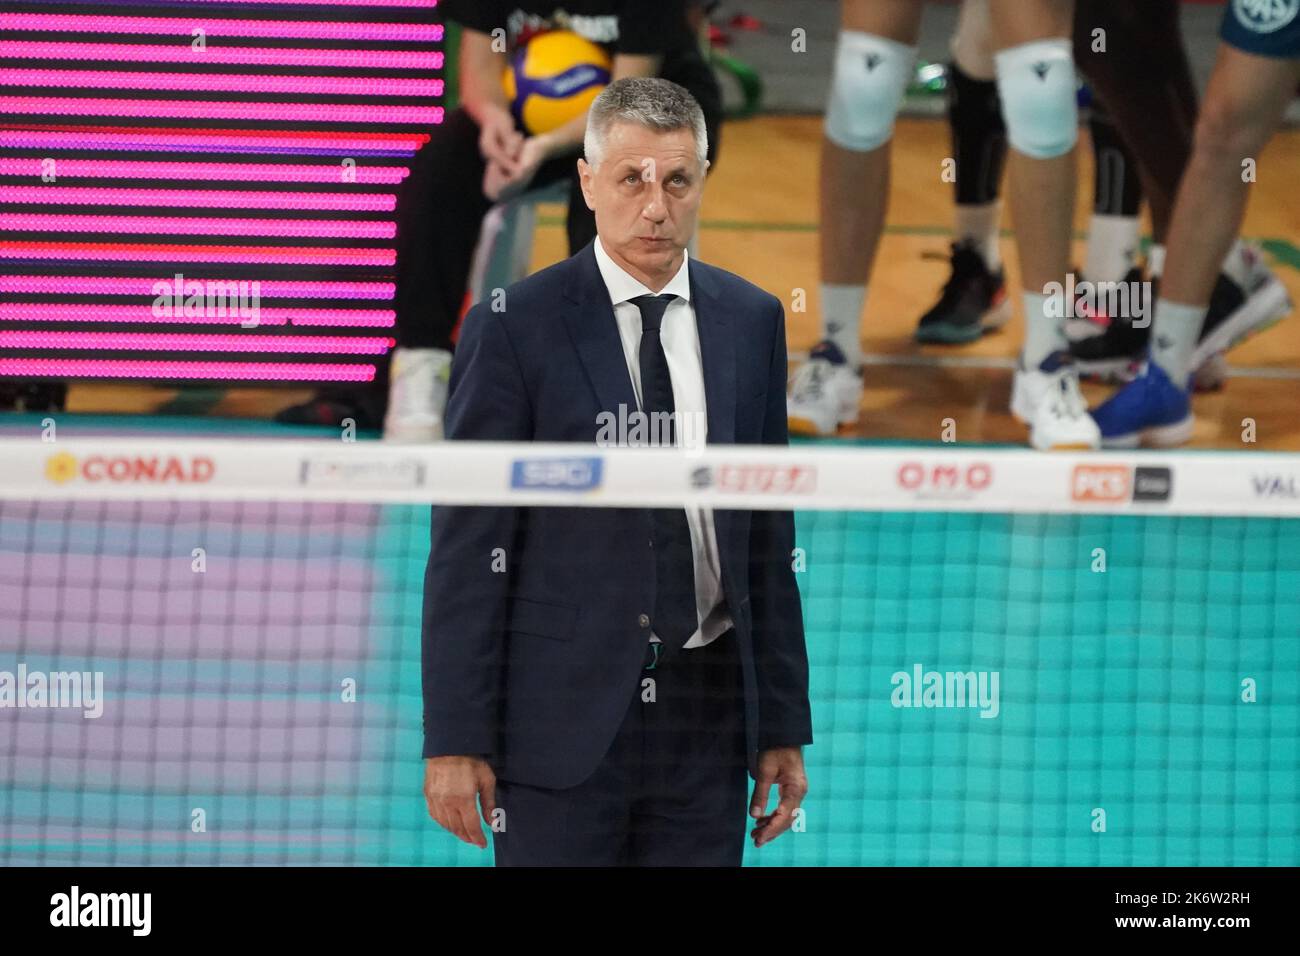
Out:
{"x": 602, "y": 679}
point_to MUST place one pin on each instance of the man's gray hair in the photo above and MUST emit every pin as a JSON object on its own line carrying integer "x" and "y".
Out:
{"x": 649, "y": 101}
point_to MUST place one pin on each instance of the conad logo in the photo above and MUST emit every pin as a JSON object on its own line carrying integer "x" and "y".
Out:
{"x": 64, "y": 467}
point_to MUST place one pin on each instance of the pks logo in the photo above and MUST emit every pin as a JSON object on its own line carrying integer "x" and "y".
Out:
{"x": 159, "y": 469}
{"x": 1101, "y": 483}
{"x": 940, "y": 480}
{"x": 558, "y": 474}
{"x": 1265, "y": 16}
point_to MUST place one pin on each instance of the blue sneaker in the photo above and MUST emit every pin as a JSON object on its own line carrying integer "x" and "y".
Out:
{"x": 1150, "y": 410}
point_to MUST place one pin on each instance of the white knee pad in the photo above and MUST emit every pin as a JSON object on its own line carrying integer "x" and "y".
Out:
{"x": 1036, "y": 84}
{"x": 972, "y": 41}
{"x": 871, "y": 75}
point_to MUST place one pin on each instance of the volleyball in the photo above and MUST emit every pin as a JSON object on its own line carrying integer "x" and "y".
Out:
{"x": 553, "y": 78}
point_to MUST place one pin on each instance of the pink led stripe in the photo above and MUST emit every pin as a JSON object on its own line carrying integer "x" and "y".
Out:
{"x": 140, "y": 286}
{"x": 185, "y": 26}
{"x": 428, "y": 4}
{"x": 267, "y": 315}
{"x": 183, "y": 342}
{"x": 199, "y": 226}
{"x": 223, "y": 55}
{"x": 115, "y": 252}
{"x": 222, "y": 109}
{"x": 217, "y": 198}
{"x": 222, "y": 82}
{"x": 235, "y": 172}
{"x": 239, "y": 371}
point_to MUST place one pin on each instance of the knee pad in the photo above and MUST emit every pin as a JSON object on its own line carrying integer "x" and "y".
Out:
{"x": 972, "y": 41}
{"x": 870, "y": 78}
{"x": 1036, "y": 84}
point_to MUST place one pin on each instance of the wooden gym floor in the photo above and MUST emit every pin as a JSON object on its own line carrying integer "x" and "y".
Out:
{"x": 760, "y": 221}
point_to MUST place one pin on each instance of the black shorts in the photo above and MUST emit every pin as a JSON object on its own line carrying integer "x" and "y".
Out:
{"x": 1263, "y": 27}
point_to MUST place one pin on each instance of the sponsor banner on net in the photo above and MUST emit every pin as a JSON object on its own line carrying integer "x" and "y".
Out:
{"x": 572, "y": 474}
{"x": 353, "y": 471}
{"x": 757, "y": 478}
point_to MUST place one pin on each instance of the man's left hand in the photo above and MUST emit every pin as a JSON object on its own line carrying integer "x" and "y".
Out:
{"x": 782, "y": 766}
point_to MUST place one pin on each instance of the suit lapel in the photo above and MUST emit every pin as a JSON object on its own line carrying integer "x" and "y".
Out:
{"x": 594, "y": 330}
{"x": 595, "y": 334}
{"x": 717, "y": 356}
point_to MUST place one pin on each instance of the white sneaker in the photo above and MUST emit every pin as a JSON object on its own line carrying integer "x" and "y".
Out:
{"x": 417, "y": 395}
{"x": 1048, "y": 400}
{"x": 1247, "y": 300}
{"x": 824, "y": 393}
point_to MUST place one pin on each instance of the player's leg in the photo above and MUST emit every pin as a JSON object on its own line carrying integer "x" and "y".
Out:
{"x": 1133, "y": 55}
{"x": 1036, "y": 82}
{"x": 1114, "y": 229}
{"x": 1244, "y": 103}
{"x": 874, "y": 59}
{"x": 1103, "y": 344}
{"x": 974, "y": 298}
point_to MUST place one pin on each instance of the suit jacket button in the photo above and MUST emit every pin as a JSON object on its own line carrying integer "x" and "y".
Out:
{"x": 644, "y": 620}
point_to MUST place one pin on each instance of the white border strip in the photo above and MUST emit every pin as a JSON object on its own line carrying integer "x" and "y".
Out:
{"x": 804, "y": 477}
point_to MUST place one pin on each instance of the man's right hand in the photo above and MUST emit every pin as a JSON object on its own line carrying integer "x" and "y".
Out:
{"x": 451, "y": 785}
{"x": 498, "y": 140}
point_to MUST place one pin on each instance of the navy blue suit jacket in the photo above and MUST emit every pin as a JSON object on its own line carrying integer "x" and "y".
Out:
{"x": 534, "y": 668}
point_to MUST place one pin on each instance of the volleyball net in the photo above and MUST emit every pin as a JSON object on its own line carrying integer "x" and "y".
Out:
{"x": 210, "y": 650}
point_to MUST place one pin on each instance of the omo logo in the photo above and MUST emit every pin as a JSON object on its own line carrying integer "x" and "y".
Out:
{"x": 1265, "y": 16}
{"x": 942, "y": 479}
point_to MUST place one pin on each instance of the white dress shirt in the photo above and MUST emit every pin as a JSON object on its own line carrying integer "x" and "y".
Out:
{"x": 681, "y": 341}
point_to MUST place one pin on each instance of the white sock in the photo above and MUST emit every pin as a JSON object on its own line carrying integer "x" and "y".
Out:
{"x": 1155, "y": 261}
{"x": 1174, "y": 332}
{"x": 842, "y": 318}
{"x": 1112, "y": 247}
{"x": 1043, "y": 333}
{"x": 978, "y": 224}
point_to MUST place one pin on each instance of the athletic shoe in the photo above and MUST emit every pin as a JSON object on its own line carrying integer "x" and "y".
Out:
{"x": 1237, "y": 312}
{"x": 974, "y": 301}
{"x": 1091, "y": 318}
{"x": 1112, "y": 355}
{"x": 1048, "y": 400}
{"x": 1150, "y": 410}
{"x": 417, "y": 395}
{"x": 1234, "y": 314}
{"x": 333, "y": 407}
{"x": 824, "y": 393}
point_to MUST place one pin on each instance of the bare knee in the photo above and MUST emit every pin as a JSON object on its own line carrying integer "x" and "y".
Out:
{"x": 1228, "y": 129}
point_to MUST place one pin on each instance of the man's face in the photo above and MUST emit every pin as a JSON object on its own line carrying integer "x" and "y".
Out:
{"x": 646, "y": 195}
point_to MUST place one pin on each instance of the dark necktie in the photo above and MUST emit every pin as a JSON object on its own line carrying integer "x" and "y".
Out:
{"x": 675, "y": 615}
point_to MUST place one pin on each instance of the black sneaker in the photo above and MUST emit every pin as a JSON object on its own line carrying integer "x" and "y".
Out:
{"x": 1237, "y": 312}
{"x": 330, "y": 407}
{"x": 1113, "y": 355}
{"x": 973, "y": 301}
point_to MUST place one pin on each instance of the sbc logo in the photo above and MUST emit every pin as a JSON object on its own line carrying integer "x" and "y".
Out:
{"x": 559, "y": 474}
{"x": 1101, "y": 483}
